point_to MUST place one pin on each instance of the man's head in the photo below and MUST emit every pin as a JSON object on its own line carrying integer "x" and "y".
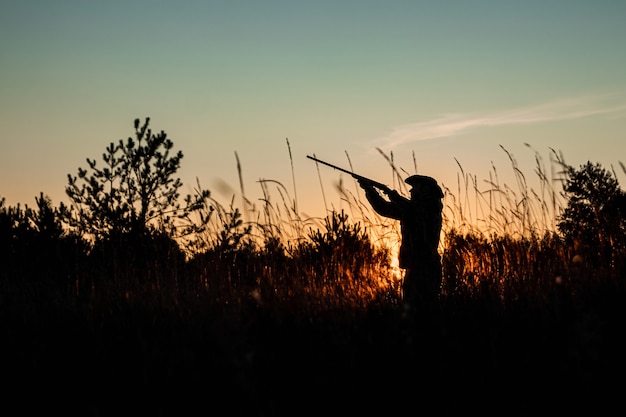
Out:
{"x": 424, "y": 186}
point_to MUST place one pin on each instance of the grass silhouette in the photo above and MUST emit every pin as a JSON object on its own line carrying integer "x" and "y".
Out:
{"x": 269, "y": 313}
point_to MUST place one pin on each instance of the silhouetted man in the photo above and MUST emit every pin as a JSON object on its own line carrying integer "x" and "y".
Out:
{"x": 420, "y": 224}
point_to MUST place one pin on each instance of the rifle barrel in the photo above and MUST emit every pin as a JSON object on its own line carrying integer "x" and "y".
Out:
{"x": 380, "y": 185}
{"x": 331, "y": 165}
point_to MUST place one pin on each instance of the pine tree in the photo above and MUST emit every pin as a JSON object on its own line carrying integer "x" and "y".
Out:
{"x": 135, "y": 191}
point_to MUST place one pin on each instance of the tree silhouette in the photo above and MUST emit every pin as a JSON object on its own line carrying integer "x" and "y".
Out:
{"x": 46, "y": 220}
{"x": 593, "y": 220}
{"x": 135, "y": 192}
{"x": 35, "y": 248}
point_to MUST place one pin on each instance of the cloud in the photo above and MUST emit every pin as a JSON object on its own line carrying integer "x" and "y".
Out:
{"x": 457, "y": 124}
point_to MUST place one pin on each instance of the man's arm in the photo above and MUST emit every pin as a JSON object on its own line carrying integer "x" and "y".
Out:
{"x": 393, "y": 207}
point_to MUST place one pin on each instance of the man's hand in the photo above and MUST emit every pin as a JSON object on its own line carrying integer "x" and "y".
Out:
{"x": 389, "y": 192}
{"x": 366, "y": 183}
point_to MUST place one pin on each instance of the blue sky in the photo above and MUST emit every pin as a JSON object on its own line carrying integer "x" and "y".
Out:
{"x": 434, "y": 83}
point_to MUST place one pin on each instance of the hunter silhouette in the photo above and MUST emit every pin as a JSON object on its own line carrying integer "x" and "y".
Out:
{"x": 420, "y": 224}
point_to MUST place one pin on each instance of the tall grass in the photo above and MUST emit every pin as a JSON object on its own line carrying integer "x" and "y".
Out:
{"x": 497, "y": 241}
{"x": 267, "y": 306}
{"x": 502, "y": 209}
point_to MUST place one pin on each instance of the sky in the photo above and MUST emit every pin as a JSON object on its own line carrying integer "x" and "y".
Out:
{"x": 444, "y": 88}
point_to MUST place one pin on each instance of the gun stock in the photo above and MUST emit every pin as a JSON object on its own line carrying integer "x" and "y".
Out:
{"x": 358, "y": 177}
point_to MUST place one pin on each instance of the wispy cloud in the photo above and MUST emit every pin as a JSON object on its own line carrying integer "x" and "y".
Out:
{"x": 457, "y": 124}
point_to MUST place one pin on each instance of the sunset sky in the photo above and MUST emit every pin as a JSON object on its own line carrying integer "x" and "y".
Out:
{"x": 448, "y": 83}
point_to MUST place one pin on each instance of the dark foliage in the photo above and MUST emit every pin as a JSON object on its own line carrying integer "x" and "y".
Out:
{"x": 35, "y": 250}
{"x": 341, "y": 247}
{"x": 130, "y": 325}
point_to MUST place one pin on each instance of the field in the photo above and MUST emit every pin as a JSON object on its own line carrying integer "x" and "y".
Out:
{"x": 288, "y": 316}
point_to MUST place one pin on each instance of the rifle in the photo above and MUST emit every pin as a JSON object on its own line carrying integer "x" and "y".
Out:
{"x": 358, "y": 177}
